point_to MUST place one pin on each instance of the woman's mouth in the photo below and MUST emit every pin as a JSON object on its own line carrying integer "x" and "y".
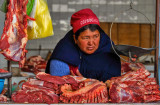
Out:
{"x": 90, "y": 48}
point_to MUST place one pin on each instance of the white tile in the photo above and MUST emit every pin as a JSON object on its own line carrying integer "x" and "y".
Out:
{"x": 63, "y": 8}
{"x": 95, "y": 1}
{"x": 55, "y": 7}
{"x": 79, "y": 2}
{"x": 87, "y": 1}
{"x": 102, "y": 1}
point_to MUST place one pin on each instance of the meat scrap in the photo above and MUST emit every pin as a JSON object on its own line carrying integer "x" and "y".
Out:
{"x": 3, "y": 98}
{"x": 35, "y": 64}
{"x": 134, "y": 86}
{"x": 126, "y": 66}
{"x": 3, "y": 71}
{"x": 14, "y": 38}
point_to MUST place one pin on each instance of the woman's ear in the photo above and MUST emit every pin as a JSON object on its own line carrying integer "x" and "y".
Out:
{"x": 74, "y": 37}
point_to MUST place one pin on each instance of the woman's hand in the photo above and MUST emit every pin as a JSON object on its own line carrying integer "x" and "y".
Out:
{"x": 77, "y": 73}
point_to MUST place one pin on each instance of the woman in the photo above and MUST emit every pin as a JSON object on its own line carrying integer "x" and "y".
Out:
{"x": 85, "y": 50}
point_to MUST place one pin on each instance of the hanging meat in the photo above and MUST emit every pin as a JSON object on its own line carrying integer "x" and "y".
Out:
{"x": 134, "y": 86}
{"x": 14, "y": 38}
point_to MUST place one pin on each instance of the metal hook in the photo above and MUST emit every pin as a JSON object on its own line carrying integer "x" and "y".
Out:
{"x": 130, "y": 55}
{"x": 131, "y": 3}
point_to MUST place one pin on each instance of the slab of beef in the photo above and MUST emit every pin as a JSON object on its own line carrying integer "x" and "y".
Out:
{"x": 55, "y": 87}
{"x": 126, "y": 66}
{"x": 49, "y": 78}
{"x": 35, "y": 94}
{"x": 134, "y": 86}
{"x": 35, "y": 64}
{"x": 14, "y": 38}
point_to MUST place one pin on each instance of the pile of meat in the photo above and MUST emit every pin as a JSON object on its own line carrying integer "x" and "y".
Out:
{"x": 126, "y": 66}
{"x": 2, "y": 97}
{"x": 67, "y": 89}
{"x": 134, "y": 86}
{"x": 14, "y": 38}
{"x": 35, "y": 64}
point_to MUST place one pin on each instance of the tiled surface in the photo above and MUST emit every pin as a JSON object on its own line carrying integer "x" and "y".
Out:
{"x": 61, "y": 11}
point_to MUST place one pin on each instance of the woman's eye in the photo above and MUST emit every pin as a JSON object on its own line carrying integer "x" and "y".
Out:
{"x": 96, "y": 36}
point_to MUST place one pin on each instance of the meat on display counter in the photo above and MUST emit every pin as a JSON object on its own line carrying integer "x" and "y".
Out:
{"x": 158, "y": 103}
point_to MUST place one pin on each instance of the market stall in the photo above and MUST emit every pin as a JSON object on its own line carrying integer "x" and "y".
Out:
{"x": 26, "y": 48}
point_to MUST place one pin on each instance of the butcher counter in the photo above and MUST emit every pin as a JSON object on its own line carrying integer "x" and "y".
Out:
{"x": 158, "y": 103}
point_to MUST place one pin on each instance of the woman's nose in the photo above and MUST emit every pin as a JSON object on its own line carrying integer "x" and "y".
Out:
{"x": 91, "y": 41}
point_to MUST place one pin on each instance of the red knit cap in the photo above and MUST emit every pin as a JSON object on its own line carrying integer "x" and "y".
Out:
{"x": 82, "y": 18}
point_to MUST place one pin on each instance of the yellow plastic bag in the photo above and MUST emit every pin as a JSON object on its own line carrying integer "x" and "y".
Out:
{"x": 42, "y": 26}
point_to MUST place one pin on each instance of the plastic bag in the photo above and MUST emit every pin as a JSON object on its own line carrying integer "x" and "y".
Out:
{"x": 42, "y": 26}
{"x": 3, "y": 7}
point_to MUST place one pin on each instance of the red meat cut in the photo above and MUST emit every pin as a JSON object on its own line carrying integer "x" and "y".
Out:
{"x": 126, "y": 66}
{"x": 14, "y": 38}
{"x": 134, "y": 86}
{"x": 71, "y": 89}
{"x": 3, "y": 98}
{"x": 35, "y": 64}
{"x": 35, "y": 94}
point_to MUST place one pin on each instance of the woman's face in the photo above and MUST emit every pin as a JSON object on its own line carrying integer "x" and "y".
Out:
{"x": 88, "y": 41}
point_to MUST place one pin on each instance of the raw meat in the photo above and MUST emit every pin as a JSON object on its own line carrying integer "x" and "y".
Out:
{"x": 14, "y": 38}
{"x": 126, "y": 66}
{"x": 3, "y": 98}
{"x": 50, "y": 85}
{"x": 134, "y": 86}
{"x": 35, "y": 94}
{"x": 53, "y": 79}
{"x": 35, "y": 64}
{"x": 3, "y": 71}
{"x": 72, "y": 89}
{"x": 90, "y": 91}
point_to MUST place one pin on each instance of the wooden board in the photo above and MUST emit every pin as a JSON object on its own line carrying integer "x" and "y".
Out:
{"x": 145, "y": 35}
{"x": 128, "y": 34}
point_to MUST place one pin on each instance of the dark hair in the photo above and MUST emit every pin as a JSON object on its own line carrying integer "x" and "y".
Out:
{"x": 92, "y": 27}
